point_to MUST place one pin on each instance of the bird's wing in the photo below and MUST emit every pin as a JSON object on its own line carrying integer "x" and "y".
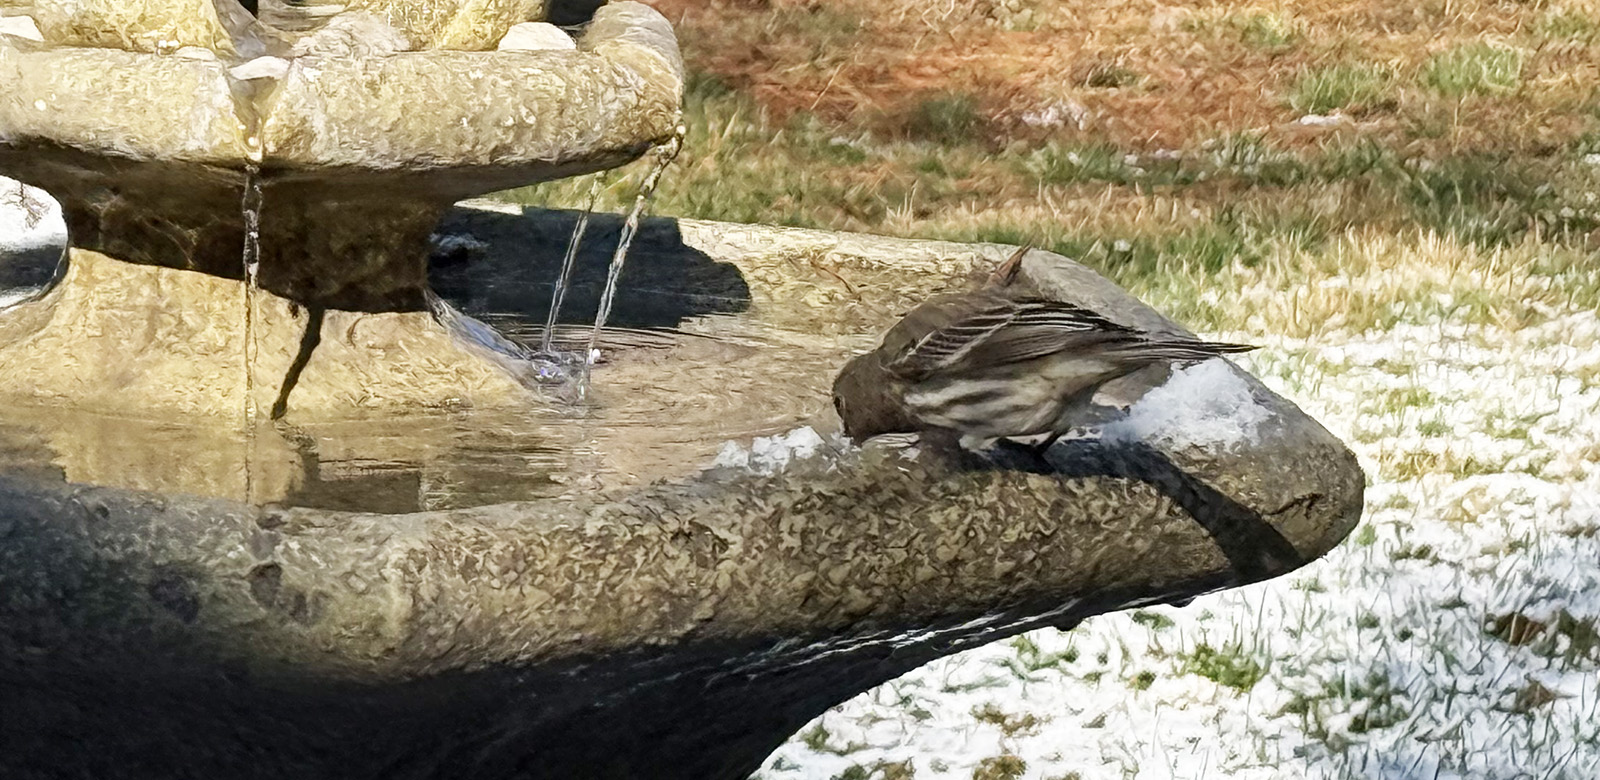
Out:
{"x": 996, "y": 331}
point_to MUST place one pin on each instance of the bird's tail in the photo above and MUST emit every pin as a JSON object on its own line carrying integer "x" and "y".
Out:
{"x": 1179, "y": 349}
{"x": 1006, "y": 273}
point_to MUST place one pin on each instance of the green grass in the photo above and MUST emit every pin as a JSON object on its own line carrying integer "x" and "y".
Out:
{"x": 1154, "y": 620}
{"x": 1386, "y": 702}
{"x": 1230, "y": 666}
{"x": 737, "y": 167}
{"x": 1010, "y": 725}
{"x": 1402, "y": 399}
{"x": 1109, "y": 75}
{"x": 1489, "y": 200}
{"x": 881, "y": 770}
{"x": 1240, "y": 159}
{"x": 1258, "y": 29}
{"x": 944, "y": 118}
{"x": 1339, "y": 87}
{"x": 817, "y": 738}
{"x": 1029, "y": 659}
{"x": 1266, "y": 30}
{"x": 1473, "y": 68}
{"x": 1567, "y": 24}
{"x": 1513, "y": 232}
{"x": 1365, "y": 536}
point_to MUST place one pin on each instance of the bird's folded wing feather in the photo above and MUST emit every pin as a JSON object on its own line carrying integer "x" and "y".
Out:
{"x": 1000, "y": 331}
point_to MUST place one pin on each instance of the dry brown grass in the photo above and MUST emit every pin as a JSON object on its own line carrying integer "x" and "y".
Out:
{"x": 1468, "y": 171}
{"x": 1181, "y": 73}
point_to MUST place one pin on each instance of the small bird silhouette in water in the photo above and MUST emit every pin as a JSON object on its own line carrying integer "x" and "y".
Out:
{"x": 990, "y": 364}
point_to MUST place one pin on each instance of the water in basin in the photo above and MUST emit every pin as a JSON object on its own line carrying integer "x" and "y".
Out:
{"x": 688, "y": 362}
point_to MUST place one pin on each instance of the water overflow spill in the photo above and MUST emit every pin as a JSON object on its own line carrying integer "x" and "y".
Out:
{"x": 250, "y": 255}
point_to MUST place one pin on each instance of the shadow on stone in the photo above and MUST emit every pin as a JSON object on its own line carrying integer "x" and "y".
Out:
{"x": 1255, "y": 549}
{"x": 489, "y": 262}
{"x": 163, "y": 700}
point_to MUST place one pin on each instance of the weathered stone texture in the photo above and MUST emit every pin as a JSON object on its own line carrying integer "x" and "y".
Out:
{"x": 113, "y": 103}
{"x": 151, "y": 26}
{"x": 465, "y": 25}
{"x": 141, "y": 340}
{"x": 680, "y": 630}
{"x": 500, "y": 118}
{"x": 687, "y": 607}
{"x": 151, "y": 157}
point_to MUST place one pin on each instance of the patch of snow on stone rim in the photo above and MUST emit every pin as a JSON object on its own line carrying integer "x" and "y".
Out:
{"x": 29, "y": 218}
{"x": 21, "y": 27}
{"x": 261, "y": 68}
{"x": 1206, "y": 405}
{"x": 536, "y": 36}
{"x": 771, "y": 454}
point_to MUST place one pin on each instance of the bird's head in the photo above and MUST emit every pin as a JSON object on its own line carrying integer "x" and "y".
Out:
{"x": 869, "y": 399}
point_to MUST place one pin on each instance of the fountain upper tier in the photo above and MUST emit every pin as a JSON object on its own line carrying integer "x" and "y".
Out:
{"x": 359, "y": 150}
{"x": 471, "y": 120}
{"x": 148, "y": 119}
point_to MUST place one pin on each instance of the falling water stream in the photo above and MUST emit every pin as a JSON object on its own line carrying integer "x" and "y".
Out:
{"x": 664, "y": 155}
{"x": 567, "y": 262}
{"x": 250, "y": 208}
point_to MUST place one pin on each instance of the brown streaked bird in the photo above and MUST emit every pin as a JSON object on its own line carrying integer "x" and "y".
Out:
{"x": 987, "y": 365}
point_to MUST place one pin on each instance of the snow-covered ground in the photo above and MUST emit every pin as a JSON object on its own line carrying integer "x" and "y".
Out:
{"x": 29, "y": 218}
{"x": 1454, "y": 635}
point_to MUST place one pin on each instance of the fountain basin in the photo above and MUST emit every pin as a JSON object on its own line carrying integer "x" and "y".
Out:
{"x": 677, "y": 625}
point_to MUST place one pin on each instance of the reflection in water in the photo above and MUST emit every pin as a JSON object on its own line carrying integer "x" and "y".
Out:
{"x": 663, "y": 402}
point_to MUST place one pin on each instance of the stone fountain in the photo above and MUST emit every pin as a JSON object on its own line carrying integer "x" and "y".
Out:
{"x": 206, "y": 417}
{"x": 358, "y": 135}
